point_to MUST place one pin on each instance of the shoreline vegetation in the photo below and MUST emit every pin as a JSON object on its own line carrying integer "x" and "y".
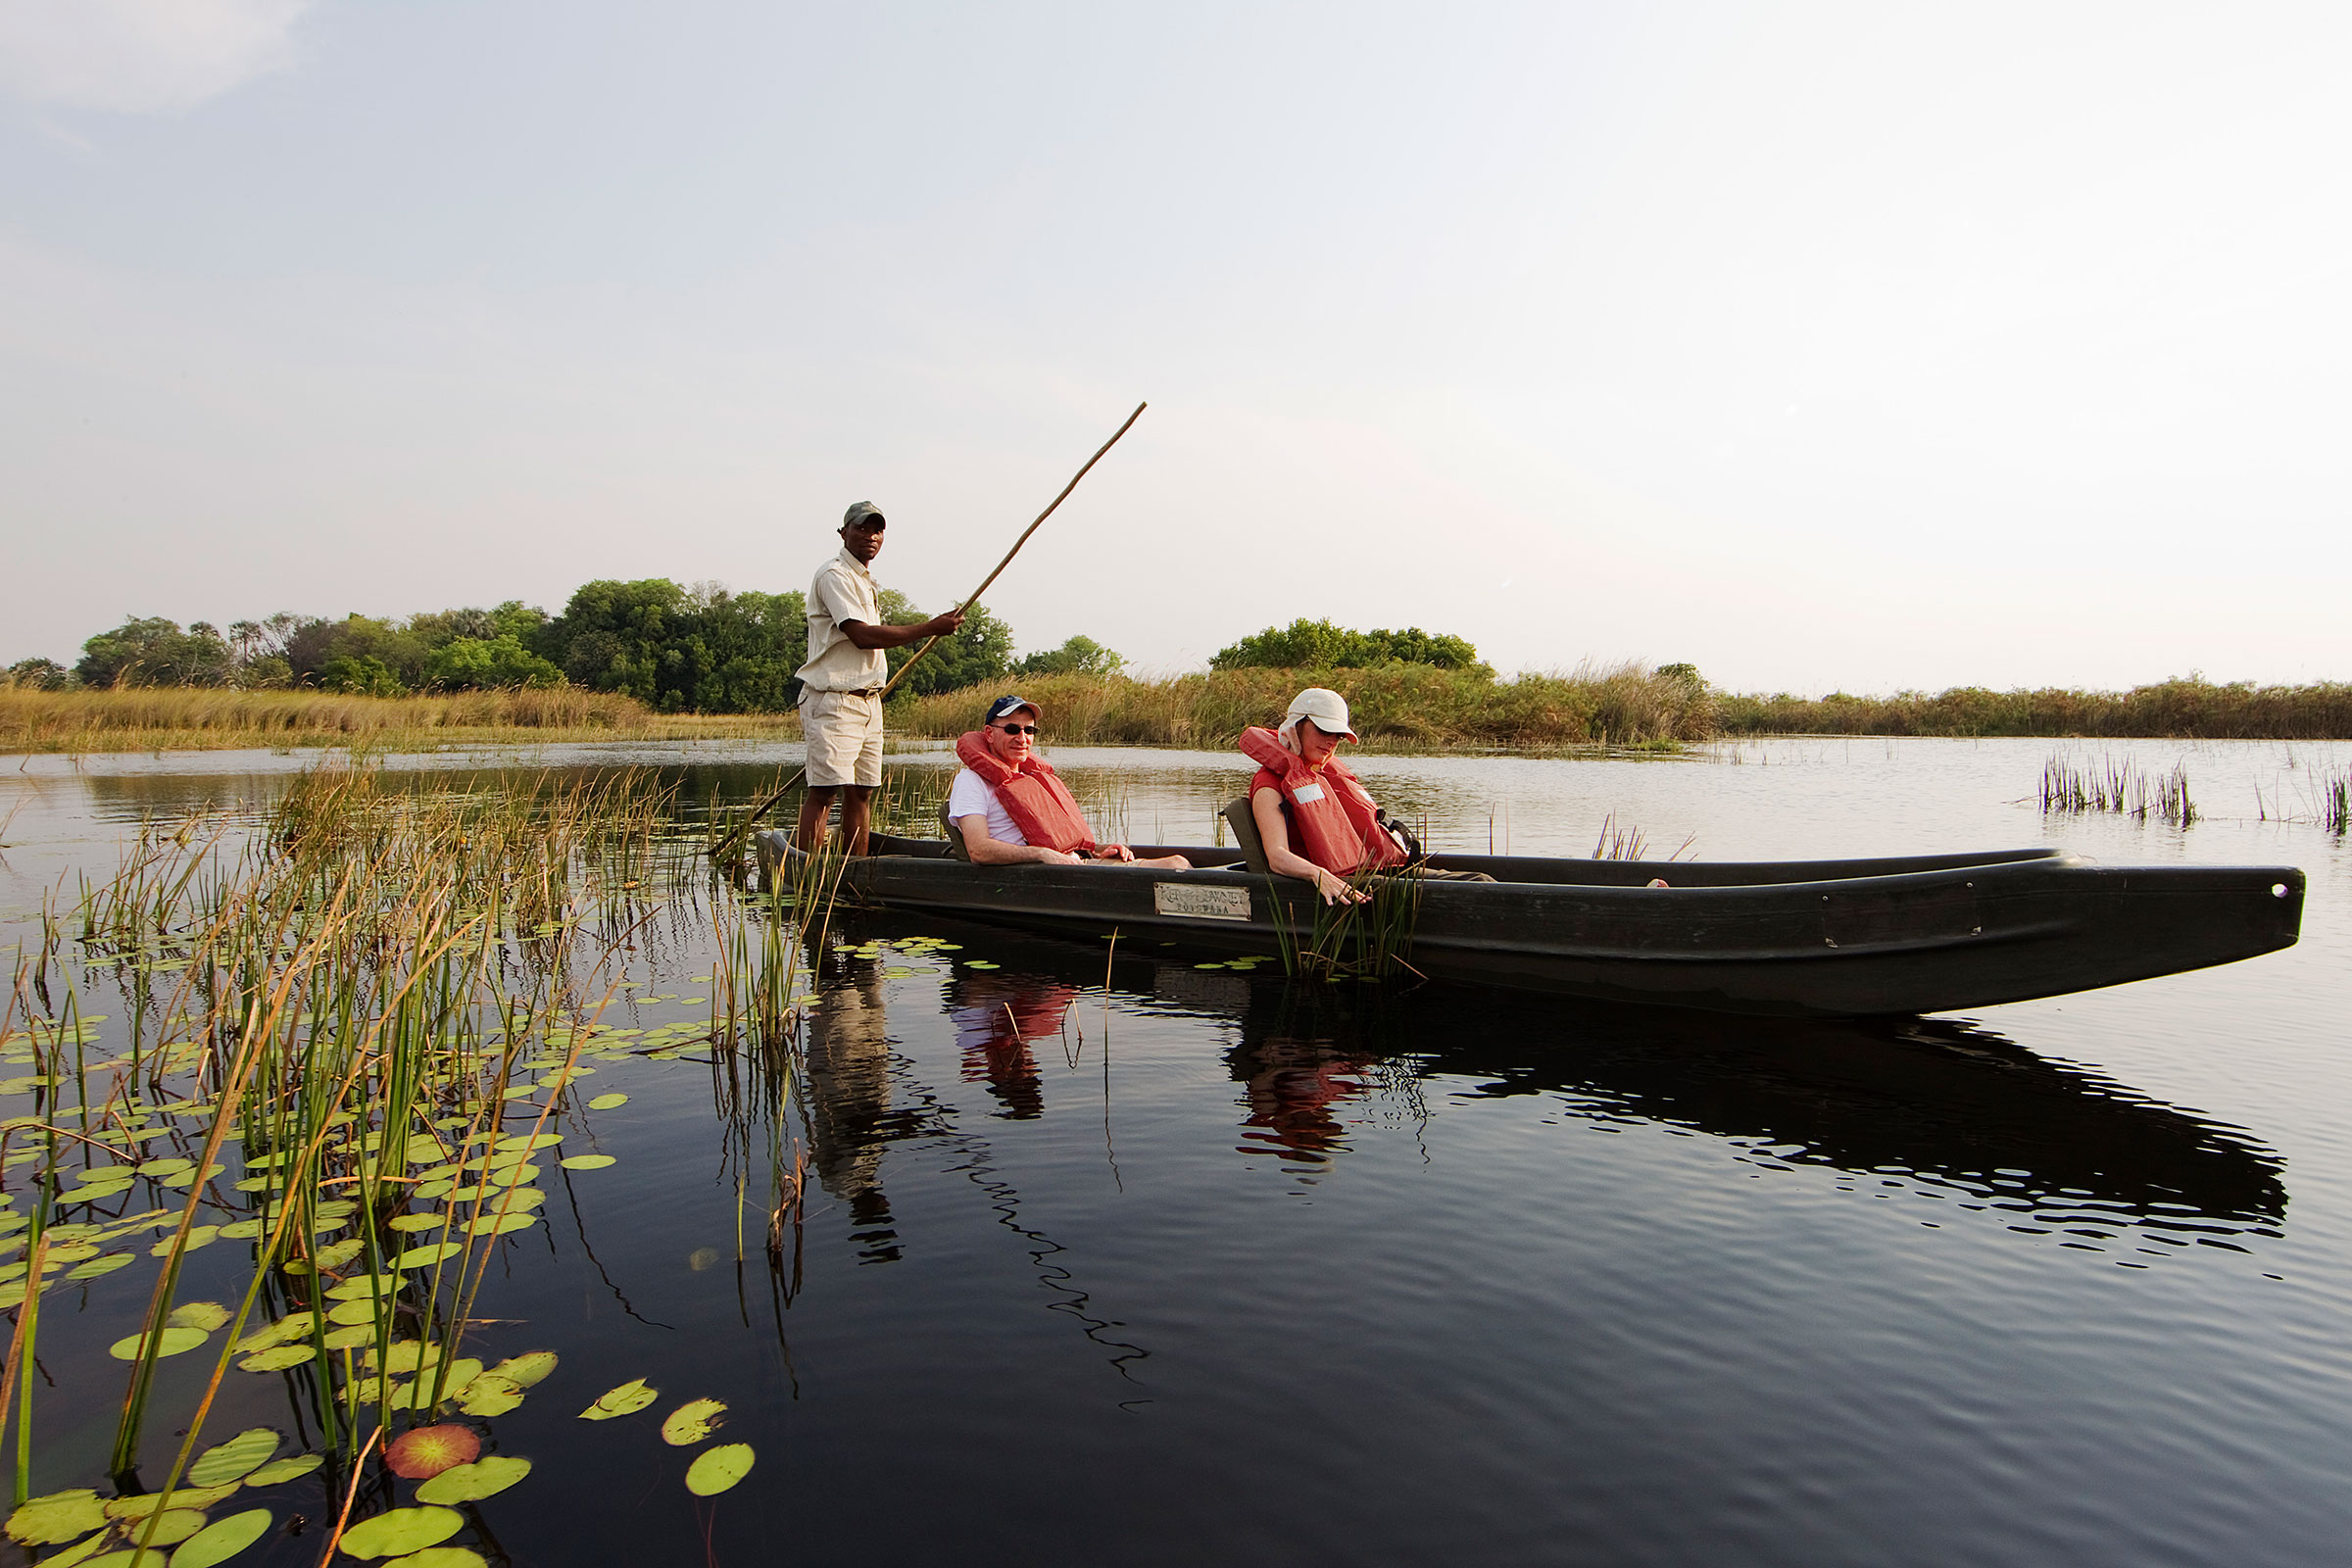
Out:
{"x": 1397, "y": 707}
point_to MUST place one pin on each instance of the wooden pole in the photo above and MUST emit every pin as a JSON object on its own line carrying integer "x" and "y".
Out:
{"x": 742, "y": 829}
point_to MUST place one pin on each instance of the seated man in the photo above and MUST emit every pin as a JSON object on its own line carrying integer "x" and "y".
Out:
{"x": 1011, "y": 810}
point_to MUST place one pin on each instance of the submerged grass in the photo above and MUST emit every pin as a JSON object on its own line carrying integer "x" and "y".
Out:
{"x": 375, "y": 1009}
{"x": 200, "y": 718}
{"x": 2124, "y": 788}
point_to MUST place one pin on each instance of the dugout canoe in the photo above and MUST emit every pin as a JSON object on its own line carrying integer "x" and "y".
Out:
{"x": 1801, "y": 937}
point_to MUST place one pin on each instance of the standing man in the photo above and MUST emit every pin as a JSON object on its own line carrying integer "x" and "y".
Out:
{"x": 841, "y": 685}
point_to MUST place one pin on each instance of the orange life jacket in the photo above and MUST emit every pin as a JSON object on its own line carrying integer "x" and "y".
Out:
{"x": 1037, "y": 801}
{"x": 1333, "y": 822}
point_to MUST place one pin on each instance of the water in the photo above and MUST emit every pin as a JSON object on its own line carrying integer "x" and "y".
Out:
{"x": 1437, "y": 1276}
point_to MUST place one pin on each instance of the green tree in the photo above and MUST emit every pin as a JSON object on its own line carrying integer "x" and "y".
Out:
{"x": 1321, "y": 644}
{"x": 612, "y": 635}
{"x": 361, "y": 675}
{"x": 982, "y": 650}
{"x": 153, "y": 651}
{"x": 40, "y": 675}
{"x": 496, "y": 664}
{"x": 1080, "y": 656}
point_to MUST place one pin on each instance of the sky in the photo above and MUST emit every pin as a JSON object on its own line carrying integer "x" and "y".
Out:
{"x": 1852, "y": 347}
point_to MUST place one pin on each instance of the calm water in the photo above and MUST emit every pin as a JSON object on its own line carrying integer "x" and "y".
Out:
{"x": 1437, "y": 1276}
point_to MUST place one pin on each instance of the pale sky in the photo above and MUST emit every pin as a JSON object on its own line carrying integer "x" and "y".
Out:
{"x": 1864, "y": 346}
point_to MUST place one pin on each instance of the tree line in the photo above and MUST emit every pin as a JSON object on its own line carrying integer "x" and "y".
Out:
{"x": 677, "y": 649}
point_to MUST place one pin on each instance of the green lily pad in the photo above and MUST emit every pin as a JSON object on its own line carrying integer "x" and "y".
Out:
{"x": 692, "y": 1422}
{"x": 82, "y": 1551}
{"x": 427, "y": 1256}
{"x": 471, "y": 1483}
{"x": 714, "y": 1470}
{"x": 505, "y": 1224}
{"x": 349, "y": 1313}
{"x": 140, "y": 1507}
{"x": 168, "y": 1341}
{"x": 406, "y": 1356}
{"x": 402, "y": 1531}
{"x": 126, "y": 1559}
{"x": 588, "y": 1162}
{"x": 437, "y": 1557}
{"x": 198, "y": 1236}
{"x": 337, "y": 1253}
{"x": 55, "y": 1519}
{"x": 103, "y": 1264}
{"x": 223, "y": 1539}
{"x": 277, "y": 1472}
{"x": 525, "y": 1370}
{"x": 205, "y": 1315}
{"x": 360, "y": 1287}
{"x": 419, "y": 1222}
{"x": 612, "y": 1101}
{"x": 489, "y": 1395}
{"x": 350, "y": 1336}
{"x": 627, "y": 1399}
{"x": 234, "y": 1459}
{"x": 242, "y": 1229}
{"x": 276, "y": 1358}
{"x": 172, "y": 1526}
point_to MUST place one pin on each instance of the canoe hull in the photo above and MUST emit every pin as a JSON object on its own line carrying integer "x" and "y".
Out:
{"x": 1836, "y": 938}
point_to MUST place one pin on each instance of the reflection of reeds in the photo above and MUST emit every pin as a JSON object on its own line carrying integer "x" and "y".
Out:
{"x": 2123, "y": 788}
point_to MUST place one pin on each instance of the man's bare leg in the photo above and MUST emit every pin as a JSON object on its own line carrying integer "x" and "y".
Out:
{"x": 814, "y": 804}
{"x": 857, "y": 815}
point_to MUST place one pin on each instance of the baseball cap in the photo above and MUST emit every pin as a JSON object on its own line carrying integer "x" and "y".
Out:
{"x": 861, "y": 510}
{"x": 1325, "y": 706}
{"x": 1012, "y": 704}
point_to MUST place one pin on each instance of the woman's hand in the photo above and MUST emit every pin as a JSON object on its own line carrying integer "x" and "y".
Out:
{"x": 1113, "y": 852}
{"x": 1334, "y": 887}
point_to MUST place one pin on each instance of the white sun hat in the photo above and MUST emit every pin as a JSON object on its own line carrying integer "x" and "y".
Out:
{"x": 1325, "y": 706}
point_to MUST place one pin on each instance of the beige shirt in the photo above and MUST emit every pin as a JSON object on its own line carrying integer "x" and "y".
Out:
{"x": 844, "y": 590}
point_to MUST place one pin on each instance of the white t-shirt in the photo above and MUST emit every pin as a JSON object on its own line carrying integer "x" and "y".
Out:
{"x": 970, "y": 796}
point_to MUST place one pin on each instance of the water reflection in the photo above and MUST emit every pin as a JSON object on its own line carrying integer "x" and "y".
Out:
{"x": 1936, "y": 1109}
{"x": 849, "y": 1078}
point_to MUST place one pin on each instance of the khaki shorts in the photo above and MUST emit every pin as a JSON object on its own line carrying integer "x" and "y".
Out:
{"x": 844, "y": 732}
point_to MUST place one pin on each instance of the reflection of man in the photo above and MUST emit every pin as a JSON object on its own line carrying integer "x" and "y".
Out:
{"x": 1012, "y": 810}
{"x": 995, "y": 1017}
{"x": 841, "y": 684}
{"x": 849, "y": 1115}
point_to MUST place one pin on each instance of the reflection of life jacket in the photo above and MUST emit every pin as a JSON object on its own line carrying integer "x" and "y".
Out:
{"x": 1333, "y": 822}
{"x": 1037, "y": 801}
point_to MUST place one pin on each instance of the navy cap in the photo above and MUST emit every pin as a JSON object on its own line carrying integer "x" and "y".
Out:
{"x": 1012, "y": 704}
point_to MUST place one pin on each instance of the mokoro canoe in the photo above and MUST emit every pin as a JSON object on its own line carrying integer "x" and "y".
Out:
{"x": 1820, "y": 938}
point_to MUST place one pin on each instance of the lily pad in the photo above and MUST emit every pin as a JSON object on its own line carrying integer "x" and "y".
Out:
{"x": 531, "y": 1367}
{"x": 337, "y": 1253}
{"x": 506, "y": 1224}
{"x": 125, "y": 1559}
{"x": 441, "y": 1557}
{"x": 714, "y": 1470}
{"x": 234, "y": 1459}
{"x": 612, "y": 1101}
{"x": 424, "y": 1452}
{"x": 419, "y": 1222}
{"x": 692, "y": 1422}
{"x": 140, "y": 1507}
{"x": 205, "y": 1315}
{"x": 489, "y": 1395}
{"x": 402, "y": 1531}
{"x": 276, "y": 1358}
{"x": 167, "y": 1342}
{"x": 588, "y": 1162}
{"x": 57, "y": 1518}
{"x": 277, "y": 1472}
{"x": 223, "y": 1539}
{"x": 103, "y": 1264}
{"x": 350, "y": 1336}
{"x": 82, "y": 1551}
{"x": 350, "y": 1313}
{"x": 471, "y": 1483}
{"x": 627, "y": 1399}
{"x": 428, "y": 1254}
{"x": 172, "y": 1526}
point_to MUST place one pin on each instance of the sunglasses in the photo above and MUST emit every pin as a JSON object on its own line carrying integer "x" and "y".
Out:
{"x": 1018, "y": 729}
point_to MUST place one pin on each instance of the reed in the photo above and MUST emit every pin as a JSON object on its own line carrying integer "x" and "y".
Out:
{"x": 1398, "y": 707}
{"x": 2120, "y": 787}
{"x": 204, "y": 719}
{"x": 2191, "y": 709}
{"x": 375, "y": 1008}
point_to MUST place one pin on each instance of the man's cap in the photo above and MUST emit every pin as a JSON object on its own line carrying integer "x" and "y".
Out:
{"x": 861, "y": 510}
{"x": 1325, "y": 706}
{"x": 1012, "y": 704}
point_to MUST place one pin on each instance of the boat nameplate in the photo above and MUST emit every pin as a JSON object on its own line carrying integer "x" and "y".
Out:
{"x": 1191, "y": 900}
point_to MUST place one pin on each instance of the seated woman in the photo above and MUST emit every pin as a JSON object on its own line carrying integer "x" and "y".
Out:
{"x": 1313, "y": 818}
{"x": 1009, "y": 808}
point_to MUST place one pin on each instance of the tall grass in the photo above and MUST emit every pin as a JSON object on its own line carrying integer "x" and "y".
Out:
{"x": 193, "y": 719}
{"x": 1402, "y": 706}
{"x": 375, "y": 1010}
{"x": 2124, "y": 788}
{"x": 2191, "y": 709}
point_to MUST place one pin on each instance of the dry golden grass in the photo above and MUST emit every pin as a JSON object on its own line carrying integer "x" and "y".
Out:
{"x": 1397, "y": 707}
{"x": 176, "y": 718}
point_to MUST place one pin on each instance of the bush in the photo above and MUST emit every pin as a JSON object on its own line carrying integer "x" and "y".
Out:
{"x": 1321, "y": 644}
{"x": 500, "y": 663}
{"x": 1080, "y": 656}
{"x": 153, "y": 651}
{"x": 40, "y": 675}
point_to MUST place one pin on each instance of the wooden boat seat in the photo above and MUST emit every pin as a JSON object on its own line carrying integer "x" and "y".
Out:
{"x": 1245, "y": 836}
{"x": 955, "y": 838}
